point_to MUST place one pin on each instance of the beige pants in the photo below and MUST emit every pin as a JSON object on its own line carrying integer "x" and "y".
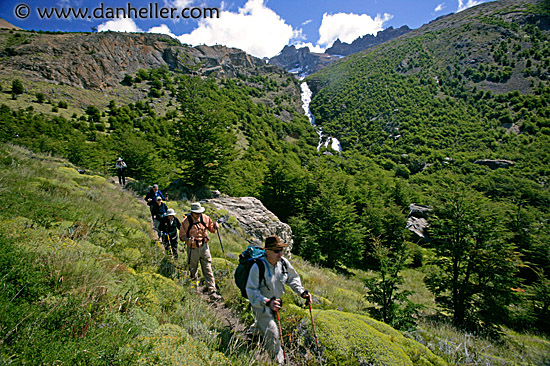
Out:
{"x": 266, "y": 326}
{"x": 202, "y": 255}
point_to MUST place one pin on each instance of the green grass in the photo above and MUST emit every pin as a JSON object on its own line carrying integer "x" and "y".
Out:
{"x": 80, "y": 276}
{"x": 84, "y": 283}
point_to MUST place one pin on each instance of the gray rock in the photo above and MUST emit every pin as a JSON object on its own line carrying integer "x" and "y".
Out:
{"x": 254, "y": 218}
{"x": 495, "y": 164}
{"x": 417, "y": 220}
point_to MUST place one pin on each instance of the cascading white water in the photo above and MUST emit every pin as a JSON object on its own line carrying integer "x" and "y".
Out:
{"x": 306, "y": 100}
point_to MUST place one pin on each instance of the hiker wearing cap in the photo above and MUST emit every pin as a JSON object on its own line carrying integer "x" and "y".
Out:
{"x": 121, "y": 171}
{"x": 151, "y": 198}
{"x": 265, "y": 296}
{"x": 194, "y": 231}
{"x": 158, "y": 211}
{"x": 169, "y": 226}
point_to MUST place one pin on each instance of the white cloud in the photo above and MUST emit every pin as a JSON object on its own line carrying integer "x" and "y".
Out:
{"x": 439, "y": 7}
{"x": 306, "y": 22}
{"x": 255, "y": 29}
{"x": 311, "y": 47}
{"x": 119, "y": 25}
{"x": 348, "y": 26}
{"x": 468, "y": 4}
{"x": 162, "y": 29}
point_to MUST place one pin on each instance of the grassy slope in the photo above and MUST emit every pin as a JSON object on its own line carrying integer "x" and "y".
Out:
{"x": 81, "y": 283}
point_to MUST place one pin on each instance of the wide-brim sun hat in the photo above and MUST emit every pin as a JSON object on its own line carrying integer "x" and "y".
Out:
{"x": 159, "y": 198}
{"x": 119, "y": 159}
{"x": 273, "y": 242}
{"x": 170, "y": 212}
{"x": 197, "y": 208}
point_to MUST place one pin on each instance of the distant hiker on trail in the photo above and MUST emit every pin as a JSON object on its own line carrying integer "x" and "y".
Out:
{"x": 158, "y": 210}
{"x": 169, "y": 226}
{"x": 121, "y": 171}
{"x": 194, "y": 231}
{"x": 265, "y": 295}
{"x": 151, "y": 198}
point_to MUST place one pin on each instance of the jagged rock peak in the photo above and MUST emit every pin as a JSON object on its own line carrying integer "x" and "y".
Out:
{"x": 366, "y": 41}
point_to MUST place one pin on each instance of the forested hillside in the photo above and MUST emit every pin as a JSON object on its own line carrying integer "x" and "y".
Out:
{"x": 458, "y": 111}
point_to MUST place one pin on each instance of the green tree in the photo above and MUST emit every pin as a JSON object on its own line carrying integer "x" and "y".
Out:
{"x": 205, "y": 143}
{"x": 476, "y": 263}
{"x": 336, "y": 227}
{"x": 393, "y": 306}
{"x": 94, "y": 113}
{"x": 17, "y": 87}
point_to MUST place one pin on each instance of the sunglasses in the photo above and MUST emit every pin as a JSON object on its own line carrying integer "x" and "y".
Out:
{"x": 277, "y": 251}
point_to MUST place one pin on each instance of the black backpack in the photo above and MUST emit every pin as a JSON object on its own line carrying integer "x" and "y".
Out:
{"x": 252, "y": 254}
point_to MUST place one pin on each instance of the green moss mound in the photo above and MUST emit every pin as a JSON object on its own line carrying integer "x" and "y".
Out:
{"x": 350, "y": 337}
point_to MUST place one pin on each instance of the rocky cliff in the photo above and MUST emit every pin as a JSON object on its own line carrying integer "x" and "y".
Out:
{"x": 303, "y": 62}
{"x": 101, "y": 60}
{"x": 367, "y": 41}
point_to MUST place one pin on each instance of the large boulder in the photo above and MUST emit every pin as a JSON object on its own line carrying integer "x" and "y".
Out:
{"x": 417, "y": 220}
{"x": 254, "y": 218}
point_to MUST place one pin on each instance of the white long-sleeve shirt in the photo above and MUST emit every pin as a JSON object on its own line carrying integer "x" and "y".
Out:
{"x": 275, "y": 277}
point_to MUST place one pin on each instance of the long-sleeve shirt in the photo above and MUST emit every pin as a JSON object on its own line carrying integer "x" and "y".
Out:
{"x": 199, "y": 230}
{"x": 170, "y": 227}
{"x": 152, "y": 196}
{"x": 158, "y": 211}
{"x": 276, "y": 277}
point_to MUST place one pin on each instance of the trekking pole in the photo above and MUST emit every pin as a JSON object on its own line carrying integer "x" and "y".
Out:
{"x": 281, "y": 335}
{"x": 313, "y": 324}
{"x": 223, "y": 251}
{"x": 220, "y": 221}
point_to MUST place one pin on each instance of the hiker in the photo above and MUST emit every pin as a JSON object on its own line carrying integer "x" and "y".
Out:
{"x": 265, "y": 295}
{"x": 158, "y": 210}
{"x": 151, "y": 198}
{"x": 169, "y": 226}
{"x": 194, "y": 231}
{"x": 121, "y": 171}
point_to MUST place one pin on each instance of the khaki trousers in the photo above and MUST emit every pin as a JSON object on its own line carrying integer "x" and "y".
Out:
{"x": 202, "y": 255}
{"x": 266, "y": 326}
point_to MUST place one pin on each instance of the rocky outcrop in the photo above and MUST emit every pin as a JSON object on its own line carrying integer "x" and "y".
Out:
{"x": 4, "y": 24}
{"x": 254, "y": 218}
{"x": 495, "y": 164}
{"x": 367, "y": 41}
{"x": 417, "y": 220}
{"x": 101, "y": 60}
{"x": 301, "y": 61}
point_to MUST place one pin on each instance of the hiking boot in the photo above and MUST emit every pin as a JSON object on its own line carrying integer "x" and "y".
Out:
{"x": 215, "y": 296}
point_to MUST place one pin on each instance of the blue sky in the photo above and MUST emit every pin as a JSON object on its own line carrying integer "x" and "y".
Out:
{"x": 260, "y": 27}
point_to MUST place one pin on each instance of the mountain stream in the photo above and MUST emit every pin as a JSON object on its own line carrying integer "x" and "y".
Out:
{"x": 329, "y": 141}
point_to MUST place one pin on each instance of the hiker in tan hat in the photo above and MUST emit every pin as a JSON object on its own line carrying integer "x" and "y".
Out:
{"x": 265, "y": 294}
{"x": 194, "y": 231}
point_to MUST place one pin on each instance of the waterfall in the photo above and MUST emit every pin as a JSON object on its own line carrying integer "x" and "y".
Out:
{"x": 306, "y": 100}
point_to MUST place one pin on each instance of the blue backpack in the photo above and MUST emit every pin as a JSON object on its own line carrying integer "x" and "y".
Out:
{"x": 252, "y": 254}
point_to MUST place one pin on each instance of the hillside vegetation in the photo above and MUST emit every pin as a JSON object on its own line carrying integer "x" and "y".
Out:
{"x": 441, "y": 107}
{"x": 452, "y": 116}
{"x": 83, "y": 283}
